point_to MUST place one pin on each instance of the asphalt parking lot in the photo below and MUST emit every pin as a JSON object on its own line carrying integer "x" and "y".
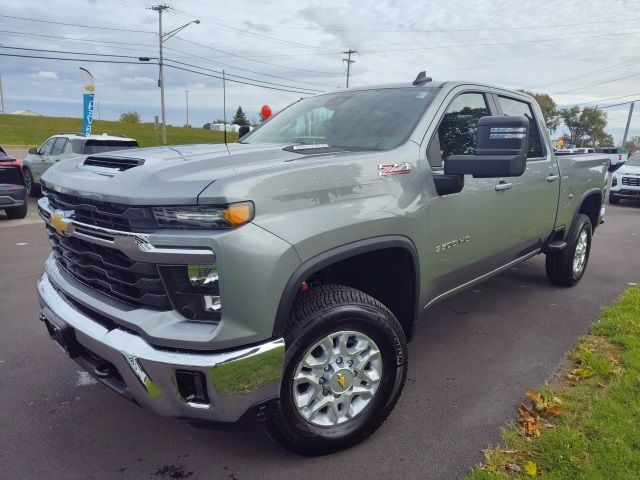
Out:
{"x": 471, "y": 361}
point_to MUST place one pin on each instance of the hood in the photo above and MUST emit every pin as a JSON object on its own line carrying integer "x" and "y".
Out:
{"x": 165, "y": 175}
{"x": 628, "y": 170}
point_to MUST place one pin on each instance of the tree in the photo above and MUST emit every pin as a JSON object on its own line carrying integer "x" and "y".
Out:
{"x": 549, "y": 109}
{"x": 240, "y": 118}
{"x": 130, "y": 117}
{"x": 207, "y": 126}
{"x": 633, "y": 144}
{"x": 586, "y": 127}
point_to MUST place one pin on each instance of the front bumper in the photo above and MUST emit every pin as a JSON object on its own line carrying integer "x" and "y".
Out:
{"x": 238, "y": 383}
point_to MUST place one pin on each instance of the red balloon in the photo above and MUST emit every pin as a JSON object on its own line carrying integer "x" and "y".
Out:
{"x": 265, "y": 111}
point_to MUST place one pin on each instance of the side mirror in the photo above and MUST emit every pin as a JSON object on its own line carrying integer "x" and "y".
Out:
{"x": 33, "y": 151}
{"x": 243, "y": 130}
{"x": 502, "y": 148}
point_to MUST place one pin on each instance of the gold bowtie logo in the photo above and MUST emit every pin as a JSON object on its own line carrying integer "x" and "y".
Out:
{"x": 59, "y": 221}
{"x": 342, "y": 380}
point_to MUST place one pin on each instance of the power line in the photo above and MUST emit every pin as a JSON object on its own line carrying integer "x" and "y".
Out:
{"x": 256, "y": 61}
{"x": 94, "y": 60}
{"x": 469, "y": 29}
{"x": 591, "y": 73}
{"x": 599, "y": 83}
{"x": 239, "y": 76}
{"x": 70, "y": 52}
{"x": 246, "y": 69}
{"x": 93, "y": 27}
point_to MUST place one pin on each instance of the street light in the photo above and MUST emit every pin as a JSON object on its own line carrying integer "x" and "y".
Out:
{"x": 163, "y": 37}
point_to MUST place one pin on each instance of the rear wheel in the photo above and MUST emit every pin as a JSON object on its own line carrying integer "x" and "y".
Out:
{"x": 567, "y": 266}
{"x": 345, "y": 368}
{"x": 33, "y": 188}
{"x": 613, "y": 200}
{"x": 17, "y": 212}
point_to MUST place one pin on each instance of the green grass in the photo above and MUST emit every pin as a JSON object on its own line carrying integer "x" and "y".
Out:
{"x": 32, "y": 131}
{"x": 598, "y": 436}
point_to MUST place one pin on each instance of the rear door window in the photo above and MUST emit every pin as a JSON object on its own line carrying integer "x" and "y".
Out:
{"x": 511, "y": 106}
{"x": 45, "y": 149}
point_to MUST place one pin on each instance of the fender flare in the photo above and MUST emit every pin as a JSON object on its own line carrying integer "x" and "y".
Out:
{"x": 586, "y": 195}
{"x": 337, "y": 254}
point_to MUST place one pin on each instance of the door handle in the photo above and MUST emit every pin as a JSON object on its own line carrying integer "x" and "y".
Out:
{"x": 552, "y": 178}
{"x": 502, "y": 186}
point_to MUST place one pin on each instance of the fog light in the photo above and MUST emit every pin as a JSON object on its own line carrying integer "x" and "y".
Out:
{"x": 194, "y": 290}
{"x": 192, "y": 386}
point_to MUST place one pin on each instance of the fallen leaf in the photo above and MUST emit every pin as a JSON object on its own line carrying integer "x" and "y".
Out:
{"x": 557, "y": 400}
{"x": 512, "y": 467}
{"x": 582, "y": 372}
{"x": 572, "y": 378}
{"x": 529, "y": 421}
{"x": 530, "y": 468}
{"x": 538, "y": 400}
{"x": 555, "y": 410}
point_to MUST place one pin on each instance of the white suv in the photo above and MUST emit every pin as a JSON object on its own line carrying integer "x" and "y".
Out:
{"x": 626, "y": 180}
{"x": 67, "y": 145}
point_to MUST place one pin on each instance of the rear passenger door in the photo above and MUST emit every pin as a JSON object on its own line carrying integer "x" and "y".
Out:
{"x": 538, "y": 190}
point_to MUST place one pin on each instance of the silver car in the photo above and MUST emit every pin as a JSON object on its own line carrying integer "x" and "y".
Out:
{"x": 67, "y": 145}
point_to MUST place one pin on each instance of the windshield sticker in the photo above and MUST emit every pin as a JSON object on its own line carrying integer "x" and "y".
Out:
{"x": 393, "y": 169}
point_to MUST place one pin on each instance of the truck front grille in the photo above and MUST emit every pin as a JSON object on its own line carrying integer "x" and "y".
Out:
{"x": 631, "y": 181}
{"x": 110, "y": 272}
{"x": 115, "y": 216}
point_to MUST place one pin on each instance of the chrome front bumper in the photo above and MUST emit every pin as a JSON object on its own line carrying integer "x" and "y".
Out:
{"x": 237, "y": 382}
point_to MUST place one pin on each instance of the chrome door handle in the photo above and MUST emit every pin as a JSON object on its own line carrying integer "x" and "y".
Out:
{"x": 552, "y": 178}
{"x": 501, "y": 187}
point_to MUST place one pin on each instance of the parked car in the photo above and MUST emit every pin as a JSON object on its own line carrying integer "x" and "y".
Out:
{"x": 626, "y": 180}
{"x": 617, "y": 155}
{"x": 280, "y": 278}
{"x": 67, "y": 145}
{"x": 13, "y": 194}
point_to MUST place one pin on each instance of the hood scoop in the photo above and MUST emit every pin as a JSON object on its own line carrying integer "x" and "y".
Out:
{"x": 112, "y": 164}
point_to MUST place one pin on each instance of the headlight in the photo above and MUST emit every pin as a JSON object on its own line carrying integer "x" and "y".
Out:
{"x": 194, "y": 290}
{"x": 614, "y": 181}
{"x": 229, "y": 216}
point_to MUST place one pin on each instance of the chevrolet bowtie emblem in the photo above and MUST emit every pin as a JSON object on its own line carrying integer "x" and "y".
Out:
{"x": 342, "y": 381}
{"x": 60, "y": 221}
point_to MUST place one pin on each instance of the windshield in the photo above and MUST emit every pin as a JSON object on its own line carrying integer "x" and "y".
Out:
{"x": 368, "y": 119}
{"x": 100, "y": 146}
{"x": 634, "y": 160}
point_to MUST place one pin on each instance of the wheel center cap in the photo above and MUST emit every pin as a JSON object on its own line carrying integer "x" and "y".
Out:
{"x": 341, "y": 381}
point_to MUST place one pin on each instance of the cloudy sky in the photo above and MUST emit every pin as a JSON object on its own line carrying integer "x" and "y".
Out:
{"x": 576, "y": 50}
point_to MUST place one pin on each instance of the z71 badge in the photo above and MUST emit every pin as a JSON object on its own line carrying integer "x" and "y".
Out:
{"x": 393, "y": 169}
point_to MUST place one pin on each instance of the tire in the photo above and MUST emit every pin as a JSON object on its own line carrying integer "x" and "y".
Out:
{"x": 17, "y": 212}
{"x": 318, "y": 314}
{"x": 560, "y": 265}
{"x": 613, "y": 200}
{"x": 33, "y": 188}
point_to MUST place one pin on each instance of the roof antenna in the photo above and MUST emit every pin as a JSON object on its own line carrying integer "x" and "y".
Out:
{"x": 422, "y": 78}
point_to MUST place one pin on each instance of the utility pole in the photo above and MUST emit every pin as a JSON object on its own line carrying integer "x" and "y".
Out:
{"x": 160, "y": 9}
{"x": 348, "y": 53}
{"x": 626, "y": 130}
{"x": 186, "y": 94}
{"x": 1, "y": 97}
{"x": 162, "y": 37}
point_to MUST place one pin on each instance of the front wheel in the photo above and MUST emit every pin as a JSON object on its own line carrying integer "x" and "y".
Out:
{"x": 567, "y": 267}
{"x": 345, "y": 368}
{"x": 33, "y": 188}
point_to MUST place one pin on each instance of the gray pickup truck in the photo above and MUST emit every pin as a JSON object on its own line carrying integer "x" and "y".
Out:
{"x": 279, "y": 278}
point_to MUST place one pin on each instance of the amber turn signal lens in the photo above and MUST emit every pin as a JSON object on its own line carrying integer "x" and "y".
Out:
{"x": 238, "y": 214}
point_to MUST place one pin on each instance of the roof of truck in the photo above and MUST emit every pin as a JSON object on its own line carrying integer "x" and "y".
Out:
{"x": 102, "y": 136}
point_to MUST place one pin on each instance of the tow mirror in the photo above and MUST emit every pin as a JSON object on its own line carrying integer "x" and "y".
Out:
{"x": 33, "y": 151}
{"x": 501, "y": 150}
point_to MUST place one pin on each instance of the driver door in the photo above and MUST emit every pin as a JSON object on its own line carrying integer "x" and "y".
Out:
{"x": 468, "y": 232}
